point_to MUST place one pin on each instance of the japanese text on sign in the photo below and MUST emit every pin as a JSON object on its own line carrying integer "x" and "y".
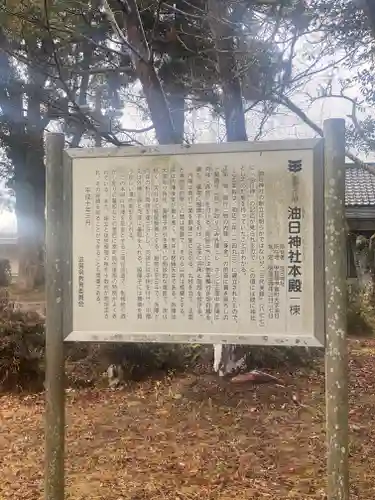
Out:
{"x": 197, "y": 244}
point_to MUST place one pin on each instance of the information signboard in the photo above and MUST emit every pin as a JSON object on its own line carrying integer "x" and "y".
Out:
{"x": 202, "y": 244}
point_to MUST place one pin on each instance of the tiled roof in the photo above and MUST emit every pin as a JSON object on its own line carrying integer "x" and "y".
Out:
{"x": 359, "y": 187}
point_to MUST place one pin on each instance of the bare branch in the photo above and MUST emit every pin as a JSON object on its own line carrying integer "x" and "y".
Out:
{"x": 137, "y": 130}
{"x": 353, "y": 115}
{"x": 302, "y": 115}
{"x": 112, "y": 19}
{"x": 103, "y": 70}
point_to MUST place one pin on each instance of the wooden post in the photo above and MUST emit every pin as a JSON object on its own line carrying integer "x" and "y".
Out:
{"x": 336, "y": 348}
{"x": 55, "y": 369}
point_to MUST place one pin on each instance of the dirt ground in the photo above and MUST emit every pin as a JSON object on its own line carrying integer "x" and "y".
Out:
{"x": 185, "y": 438}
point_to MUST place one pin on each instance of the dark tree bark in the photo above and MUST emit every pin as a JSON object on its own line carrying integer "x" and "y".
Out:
{"x": 369, "y": 8}
{"x": 224, "y": 38}
{"x": 176, "y": 103}
{"x": 24, "y": 147}
{"x": 151, "y": 86}
{"x": 30, "y": 183}
{"x": 29, "y": 187}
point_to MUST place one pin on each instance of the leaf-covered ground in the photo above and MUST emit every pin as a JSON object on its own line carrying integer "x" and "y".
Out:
{"x": 194, "y": 438}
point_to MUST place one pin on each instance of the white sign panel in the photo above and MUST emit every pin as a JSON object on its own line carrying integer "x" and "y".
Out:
{"x": 207, "y": 244}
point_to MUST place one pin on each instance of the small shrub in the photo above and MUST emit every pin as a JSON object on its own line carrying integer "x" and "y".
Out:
{"x": 21, "y": 348}
{"x": 361, "y": 313}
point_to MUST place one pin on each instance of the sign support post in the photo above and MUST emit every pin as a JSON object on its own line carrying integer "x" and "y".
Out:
{"x": 336, "y": 369}
{"x": 55, "y": 369}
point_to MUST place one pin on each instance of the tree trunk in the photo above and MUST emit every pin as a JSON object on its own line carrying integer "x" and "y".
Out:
{"x": 224, "y": 37}
{"x": 228, "y": 358}
{"x": 30, "y": 181}
{"x": 369, "y": 9}
{"x": 176, "y": 102}
{"x": 30, "y": 212}
{"x": 30, "y": 226}
{"x": 151, "y": 86}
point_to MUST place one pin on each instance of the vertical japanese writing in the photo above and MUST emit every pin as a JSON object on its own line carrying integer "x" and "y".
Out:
{"x": 208, "y": 241}
{"x": 114, "y": 245}
{"x": 131, "y": 203}
{"x": 182, "y": 238}
{"x": 140, "y": 230}
{"x": 156, "y": 227}
{"x": 226, "y": 256}
{"x": 122, "y": 273}
{"x": 190, "y": 247}
{"x": 275, "y": 278}
{"x": 271, "y": 283}
{"x": 253, "y": 211}
{"x": 261, "y": 248}
{"x": 147, "y": 241}
{"x": 243, "y": 222}
{"x": 279, "y": 284}
{"x": 88, "y": 206}
{"x": 295, "y": 243}
{"x": 81, "y": 282}
{"x": 216, "y": 243}
{"x": 173, "y": 234}
{"x": 106, "y": 223}
{"x": 98, "y": 239}
{"x": 199, "y": 245}
{"x": 253, "y": 295}
{"x": 165, "y": 250}
{"x": 253, "y": 242}
{"x": 294, "y": 257}
{"x": 234, "y": 249}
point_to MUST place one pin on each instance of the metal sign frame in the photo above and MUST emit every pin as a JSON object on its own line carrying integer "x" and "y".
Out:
{"x": 317, "y": 338}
